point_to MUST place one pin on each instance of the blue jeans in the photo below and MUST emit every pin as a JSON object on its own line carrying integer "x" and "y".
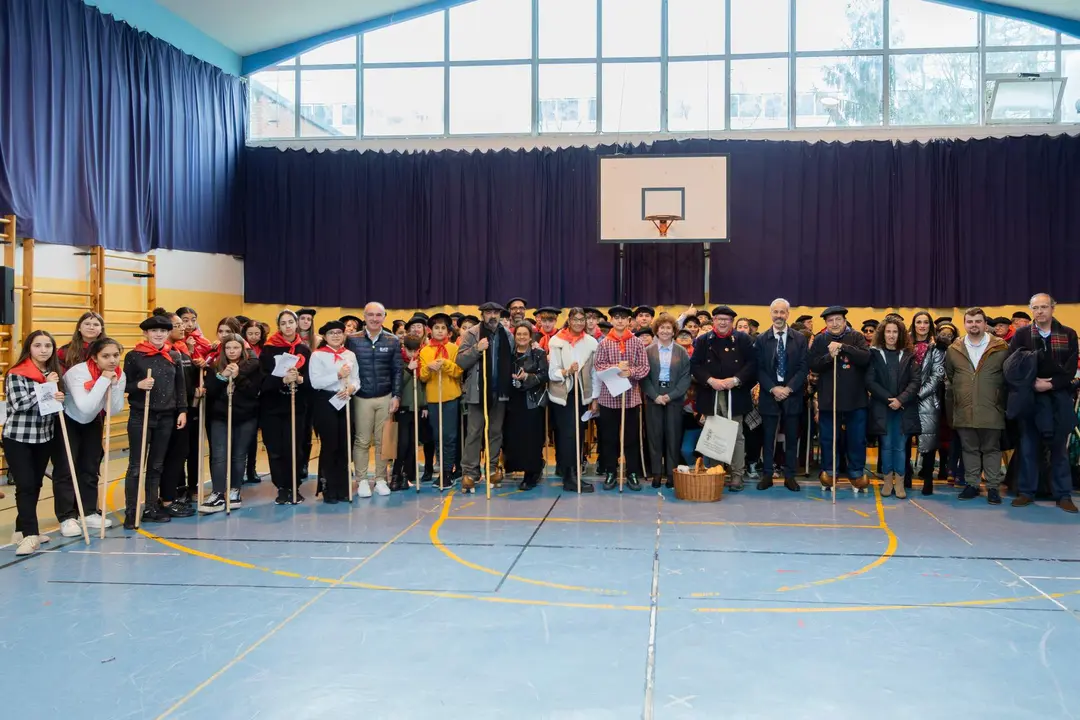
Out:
{"x": 689, "y": 442}
{"x": 1031, "y": 449}
{"x": 891, "y": 445}
{"x": 854, "y": 423}
{"x": 242, "y": 432}
{"x": 447, "y": 444}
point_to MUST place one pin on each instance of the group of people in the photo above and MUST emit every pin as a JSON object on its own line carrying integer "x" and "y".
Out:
{"x": 499, "y": 386}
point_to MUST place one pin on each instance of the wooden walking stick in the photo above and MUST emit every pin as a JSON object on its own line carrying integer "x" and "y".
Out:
{"x": 202, "y": 438}
{"x": 809, "y": 428}
{"x": 292, "y": 436}
{"x": 622, "y": 442}
{"x": 487, "y": 437}
{"x": 348, "y": 450}
{"x": 641, "y": 434}
{"x": 835, "y": 430}
{"x": 142, "y": 456}
{"x": 75, "y": 479}
{"x": 441, "y": 445}
{"x": 577, "y": 428}
{"x": 416, "y": 424}
{"x": 547, "y": 432}
{"x": 228, "y": 452}
{"x": 103, "y": 476}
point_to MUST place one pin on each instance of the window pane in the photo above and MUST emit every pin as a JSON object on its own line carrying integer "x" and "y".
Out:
{"x": 759, "y": 90}
{"x": 1070, "y": 100}
{"x": 491, "y": 30}
{"x": 340, "y": 52}
{"x": 631, "y": 28}
{"x": 491, "y": 100}
{"x": 935, "y": 89}
{"x": 288, "y": 63}
{"x": 272, "y": 101}
{"x": 327, "y": 103}
{"x": 1070, "y": 40}
{"x": 404, "y": 101}
{"x": 759, "y": 26}
{"x": 839, "y": 25}
{"x": 695, "y": 27}
{"x": 696, "y": 95}
{"x": 417, "y": 40}
{"x": 838, "y": 91}
{"x": 921, "y": 24}
{"x": 631, "y": 99}
{"x": 568, "y": 98}
{"x": 567, "y": 28}
{"x": 1006, "y": 31}
{"x": 1021, "y": 61}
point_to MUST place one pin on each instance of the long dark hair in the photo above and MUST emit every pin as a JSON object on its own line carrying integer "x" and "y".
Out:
{"x": 262, "y": 332}
{"x": 929, "y": 331}
{"x": 52, "y": 365}
{"x": 223, "y": 361}
{"x": 100, "y": 344}
{"x": 230, "y": 322}
{"x": 74, "y": 352}
{"x": 182, "y": 311}
{"x": 903, "y": 342}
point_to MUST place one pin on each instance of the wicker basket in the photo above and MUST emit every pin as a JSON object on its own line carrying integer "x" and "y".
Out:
{"x": 699, "y": 486}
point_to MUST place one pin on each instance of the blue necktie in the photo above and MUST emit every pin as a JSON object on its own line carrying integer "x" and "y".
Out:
{"x": 781, "y": 358}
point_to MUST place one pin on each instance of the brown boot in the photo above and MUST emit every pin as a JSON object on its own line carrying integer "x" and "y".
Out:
{"x": 825, "y": 479}
{"x": 898, "y": 481}
{"x": 1021, "y": 501}
{"x": 862, "y": 482}
{"x": 468, "y": 485}
{"x": 887, "y": 485}
{"x": 1067, "y": 504}
{"x": 496, "y": 478}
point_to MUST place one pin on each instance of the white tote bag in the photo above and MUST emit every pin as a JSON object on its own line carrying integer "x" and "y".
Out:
{"x": 718, "y": 437}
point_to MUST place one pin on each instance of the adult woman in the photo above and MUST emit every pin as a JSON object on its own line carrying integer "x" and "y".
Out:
{"x": 570, "y": 366}
{"x": 28, "y": 435}
{"x": 334, "y": 379}
{"x": 87, "y": 384}
{"x": 950, "y": 460}
{"x": 89, "y": 327}
{"x": 237, "y": 363}
{"x": 523, "y": 429}
{"x": 893, "y": 381}
{"x": 665, "y": 388}
{"x": 180, "y": 472}
{"x": 931, "y": 359}
{"x": 275, "y": 405}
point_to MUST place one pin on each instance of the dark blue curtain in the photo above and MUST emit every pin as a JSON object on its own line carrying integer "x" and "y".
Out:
{"x": 880, "y": 224}
{"x": 111, "y": 137}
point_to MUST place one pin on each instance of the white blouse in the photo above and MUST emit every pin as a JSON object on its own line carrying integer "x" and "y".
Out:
{"x": 83, "y": 406}
{"x": 323, "y": 370}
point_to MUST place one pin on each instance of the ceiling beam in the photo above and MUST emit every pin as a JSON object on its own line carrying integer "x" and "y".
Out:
{"x": 1054, "y": 22}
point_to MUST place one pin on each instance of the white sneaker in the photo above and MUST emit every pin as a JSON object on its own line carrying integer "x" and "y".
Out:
{"x": 381, "y": 488}
{"x": 70, "y": 528}
{"x": 363, "y": 489}
{"x": 234, "y": 499}
{"x": 17, "y": 537}
{"x": 28, "y": 546}
{"x": 94, "y": 521}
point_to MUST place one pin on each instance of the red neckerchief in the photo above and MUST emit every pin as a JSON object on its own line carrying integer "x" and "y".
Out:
{"x": 545, "y": 339}
{"x": 62, "y": 352}
{"x": 257, "y": 349}
{"x": 688, "y": 348}
{"x": 95, "y": 373}
{"x": 339, "y": 355}
{"x": 278, "y": 340}
{"x": 723, "y": 337}
{"x": 145, "y": 348}
{"x": 621, "y": 339}
{"x": 597, "y": 333}
{"x": 568, "y": 336}
{"x": 181, "y": 347}
{"x": 202, "y": 345}
{"x": 29, "y": 370}
{"x": 440, "y": 348}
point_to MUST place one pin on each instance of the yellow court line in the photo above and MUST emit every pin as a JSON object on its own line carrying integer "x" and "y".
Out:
{"x": 614, "y": 521}
{"x": 880, "y": 608}
{"x": 859, "y": 512}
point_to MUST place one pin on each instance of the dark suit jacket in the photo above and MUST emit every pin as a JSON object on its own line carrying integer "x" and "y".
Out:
{"x": 680, "y": 373}
{"x": 797, "y": 368}
{"x": 716, "y": 357}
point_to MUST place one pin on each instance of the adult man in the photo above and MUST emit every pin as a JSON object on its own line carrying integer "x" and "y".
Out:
{"x": 807, "y": 322}
{"x": 781, "y": 375}
{"x": 1020, "y": 319}
{"x": 491, "y": 342}
{"x": 1002, "y": 327}
{"x": 1051, "y": 419}
{"x": 378, "y": 359}
{"x": 724, "y": 365}
{"x": 621, "y": 349}
{"x": 974, "y": 365}
{"x": 840, "y": 354}
{"x": 516, "y": 306}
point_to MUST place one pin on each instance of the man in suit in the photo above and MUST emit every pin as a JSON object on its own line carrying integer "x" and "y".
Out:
{"x": 781, "y": 375}
{"x": 725, "y": 367}
{"x": 665, "y": 387}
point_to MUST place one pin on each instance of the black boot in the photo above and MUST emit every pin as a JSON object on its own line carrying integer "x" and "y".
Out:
{"x": 129, "y": 520}
{"x": 656, "y": 482}
{"x": 611, "y": 481}
{"x": 633, "y": 483}
{"x": 569, "y": 484}
{"x": 397, "y": 483}
{"x": 529, "y": 481}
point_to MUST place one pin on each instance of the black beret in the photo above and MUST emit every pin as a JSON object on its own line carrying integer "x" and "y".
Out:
{"x": 604, "y": 325}
{"x": 471, "y": 318}
{"x": 1001, "y": 321}
{"x": 332, "y": 325}
{"x": 835, "y": 310}
{"x": 620, "y": 311}
{"x": 724, "y": 310}
{"x": 592, "y": 310}
{"x": 417, "y": 318}
{"x": 457, "y": 315}
{"x": 1021, "y": 315}
{"x": 346, "y": 318}
{"x": 940, "y": 320}
{"x": 644, "y": 331}
{"x": 870, "y": 323}
{"x": 513, "y": 300}
{"x": 437, "y": 317}
{"x": 547, "y": 310}
{"x": 306, "y": 311}
{"x": 492, "y": 307}
{"x": 645, "y": 309}
{"x": 156, "y": 322}
{"x": 803, "y": 318}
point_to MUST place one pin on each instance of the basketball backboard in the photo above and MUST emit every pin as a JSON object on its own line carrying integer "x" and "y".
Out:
{"x": 693, "y": 188}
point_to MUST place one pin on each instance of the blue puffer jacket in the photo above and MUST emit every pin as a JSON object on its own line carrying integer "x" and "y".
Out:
{"x": 379, "y": 364}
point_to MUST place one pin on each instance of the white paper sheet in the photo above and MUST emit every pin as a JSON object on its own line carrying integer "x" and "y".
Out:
{"x": 47, "y": 404}
{"x": 589, "y": 415}
{"x": 284, "y": 363}
{"x": 615, "y": 384}
{"x": 337, "y": 402}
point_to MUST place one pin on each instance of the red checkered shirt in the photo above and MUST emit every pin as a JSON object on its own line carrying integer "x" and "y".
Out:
{"x": 607, "y": 355}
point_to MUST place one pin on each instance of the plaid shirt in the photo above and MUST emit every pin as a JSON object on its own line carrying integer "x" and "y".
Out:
{"x": 24, "y": 422}
{"x": 608, "y": 355}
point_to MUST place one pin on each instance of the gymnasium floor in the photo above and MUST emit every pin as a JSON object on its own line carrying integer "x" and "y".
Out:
{"x": 551, "y": 605}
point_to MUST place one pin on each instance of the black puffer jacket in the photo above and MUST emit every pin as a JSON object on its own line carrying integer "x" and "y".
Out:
{"x": 379, "y": 364}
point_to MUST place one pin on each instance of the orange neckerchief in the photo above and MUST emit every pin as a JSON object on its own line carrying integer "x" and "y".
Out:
{"x": 440, "y": 347}
{"x": 278, "y": 340}
{"x": 545, "y": 339}
{"x": 145, "y": 348}
{"x": 338, "y": 354}
{"x": 621, "y": 339}
{"x": 95, "y": 373}
{"x": 568, "y": 336}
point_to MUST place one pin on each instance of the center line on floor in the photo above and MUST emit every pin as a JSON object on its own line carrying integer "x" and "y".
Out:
{"x": 526, "y": 545}
{"x": 654, "y": 597}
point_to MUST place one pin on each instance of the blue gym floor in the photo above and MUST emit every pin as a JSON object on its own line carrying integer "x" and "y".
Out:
{"x": 550, "y": 605}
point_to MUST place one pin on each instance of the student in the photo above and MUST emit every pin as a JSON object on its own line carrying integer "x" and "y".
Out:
{"x": 28, "y": 437}
{"x": 255, "y": 334}
{"x": 275, "y": 405}
{"x": 198, "y": 345}
{"x": 305, "y": 320}
{"x": 333, "y": 374}
{"x": 167, "y": 412}
{"x": 237, "y": 363}
{"x": 570, "y": 360}
{"x": 893, "y": 381}
{"x": 180, "y": 472}
{"x": 89, "y": 327}
{"x": 441, "y": 375}
{"x": 403, "y": 474}
{"x": 87, "y": 384}
{"x": 226, "y": 328}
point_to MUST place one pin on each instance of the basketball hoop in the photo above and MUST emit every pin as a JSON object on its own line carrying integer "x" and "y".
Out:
{"x": 663, "y": 222}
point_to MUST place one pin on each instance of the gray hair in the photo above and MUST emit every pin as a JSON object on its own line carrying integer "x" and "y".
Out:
{"x": 1031, "y": 302}
{"x": 780, "y": 300}
{"x": 375, "y": 304}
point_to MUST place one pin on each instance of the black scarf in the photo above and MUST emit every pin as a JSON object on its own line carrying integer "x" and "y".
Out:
{"x": 500, "y": 358}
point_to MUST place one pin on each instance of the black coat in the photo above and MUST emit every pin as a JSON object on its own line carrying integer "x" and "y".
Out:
{"x": 169, "y": 393}
{"x": 851, "y": 373}
{"x": 535, "y": 365}
{"x": 274, "y": 395}
{"x": 246, "y": 390}
{"x": 878, "y": 383}
{"x": 717, "y": 357}
{"x": 797, "y": 368}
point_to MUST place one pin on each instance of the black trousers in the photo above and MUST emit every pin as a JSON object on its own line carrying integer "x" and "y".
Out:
{"x": 405, "y": 464}
{"x": 770, "y": 424}
{"x": 87, "y": 452}
{"x": 26, "y": 465}
{"x": 159, "y": 430}
{"x": 336, "y": 445}
{"x": 253, "y": 452}
{"x": 277, "y": 433}
{"x": 663, "y": 431}
{"x": 564, "y": 417}
{"x": 305, "y": 424}
{"x": 179, "y": 474}
{"x": 754, "y": 441}
{"x": 609, "y": 421}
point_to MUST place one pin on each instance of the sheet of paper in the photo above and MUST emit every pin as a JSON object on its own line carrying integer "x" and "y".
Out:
{"x": 47, "y": 404}
{"x": 589, "y": 415}
{"x": 337, "y": 402}
{"x": 615, "y": 384}
{"x": 284, "y": 363}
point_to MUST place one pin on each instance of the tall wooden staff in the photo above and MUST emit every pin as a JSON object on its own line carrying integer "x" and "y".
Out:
{"x": 348, "y": 450}
{"x": 75, "y": 479}
{"x": 641, "y": 434}
{"x": 442, "y": 446}
{"x": 202, "y": 437}
{"x": 103, "y": 476}
{"x": 292, "y": 436}
{"x": 835, "y": 429}
{"x": 142, "y": 456}
{"x": 622, "y": 441}
{"x": 577, "y": 427}
{"x": 416, "y": 423}
{"x": 487, "y": 436}
{"x": 228, "y": 451}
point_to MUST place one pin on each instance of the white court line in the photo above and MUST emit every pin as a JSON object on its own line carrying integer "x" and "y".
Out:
{"x": 650, "y": 663}
{"x": 1047, "y": 577}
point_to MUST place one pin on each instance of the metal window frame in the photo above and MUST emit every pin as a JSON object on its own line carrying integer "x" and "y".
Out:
{"x": 1016, "y": 79}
